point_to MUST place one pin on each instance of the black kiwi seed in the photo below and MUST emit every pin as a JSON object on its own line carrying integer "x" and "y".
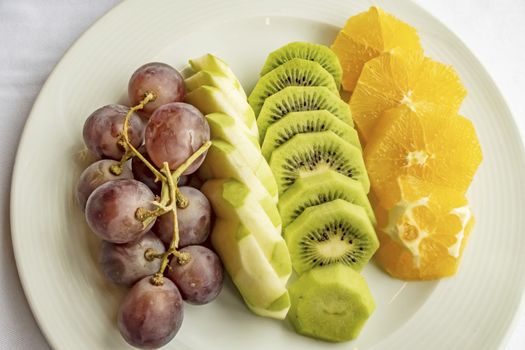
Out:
{"x": 306, "y": 51}
{"x": 296, "y": 72}
{"x": 301, "y": 98}
{"x": 314, "y": 152}
{"x": 312, "y": 159}
{"x": 338, "y": 233}
{"x": 321, "y": 198}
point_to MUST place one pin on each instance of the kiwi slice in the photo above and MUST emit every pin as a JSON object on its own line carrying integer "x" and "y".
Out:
{"x": 336, "y": 232}
{"x": 305, "y": 122}
{"x": 322, "y": 187}
{"x": 296, "y": 72}
{"x": 298, "y": 99}
{"x": 330, "y": 303}
{"x": 306, "y": 154}
{"x": 307, "y": 51}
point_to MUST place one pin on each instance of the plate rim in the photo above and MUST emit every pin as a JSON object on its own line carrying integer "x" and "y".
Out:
{"x": 18, "y": 254}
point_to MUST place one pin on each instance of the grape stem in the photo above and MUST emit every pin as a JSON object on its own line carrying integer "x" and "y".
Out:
{"x": 158, "y": 278}
{"x": 131, "y": 151}
{"x": 171, "y": 184}
{"x": 166, "y": 202}
{"x": 170, "y": 199}
{"x": 181, "y": 201}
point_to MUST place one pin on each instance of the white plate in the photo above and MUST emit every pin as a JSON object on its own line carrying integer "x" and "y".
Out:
{"x": 56, "y": 253}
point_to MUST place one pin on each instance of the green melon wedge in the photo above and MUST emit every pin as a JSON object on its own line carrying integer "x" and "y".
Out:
{"x": 210, "y": 99}
{"x": 233, "y": 202}
{"x": 215, "y": 65}
{"x": 229, "y": 129}
{"x": 225, "y": 161}
{"x": 257, "y": 281}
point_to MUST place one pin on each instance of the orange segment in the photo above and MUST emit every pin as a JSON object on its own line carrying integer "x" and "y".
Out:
{"x": 433, "y": 145}
{"x": 352, "y": 57}
{"x": 407, "y": 78}
{"x": 366, "y": 36}
{"x": 424, "y": 233}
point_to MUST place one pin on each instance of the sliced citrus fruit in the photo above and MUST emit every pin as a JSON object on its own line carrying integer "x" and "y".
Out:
{"x": 400, "y": 77}
{"x": 423, "y": 234}
{"x": 366, "y": 36}
{"x": 433, "y": 145}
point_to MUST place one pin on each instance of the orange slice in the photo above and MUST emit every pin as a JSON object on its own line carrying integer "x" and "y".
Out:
{"x": 406, "y": 78}
{"x": 433, "y": 145}
{"x": 423, "y": 235}
{"x": 366, "y": 36}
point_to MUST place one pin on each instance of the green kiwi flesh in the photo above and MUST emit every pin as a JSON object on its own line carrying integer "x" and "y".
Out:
{"x": 330, "y": 303}
{"x": 306, "y": 154}
{"x": 319, "y": 188}
{"x": 308, "y": 51}
{"x": 305, "y": 122}
{"x": 298, "y": 99}
{"x": 336, "y": 232}
{"x": 296, "y": 72}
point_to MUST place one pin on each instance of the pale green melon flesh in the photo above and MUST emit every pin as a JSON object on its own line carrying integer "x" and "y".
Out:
{"x": 214, "y": 64}
{"x": 225, "y": 161}
{"x": 209, "y": 99}
{"x": 233, "y": 201}
{"x": 229, "y": 129}
{"x": 261, "y": 288}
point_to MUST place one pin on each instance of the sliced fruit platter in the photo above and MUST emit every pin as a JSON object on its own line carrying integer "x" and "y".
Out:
{"x": 289, "y": 190}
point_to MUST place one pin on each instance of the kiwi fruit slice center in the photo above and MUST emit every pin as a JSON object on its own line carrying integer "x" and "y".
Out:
{"x": 336, "y": 242}
{"x": 336, "y": 232}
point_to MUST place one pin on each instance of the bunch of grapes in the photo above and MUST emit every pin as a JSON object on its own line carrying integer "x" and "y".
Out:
{"x": 134, "y": 199}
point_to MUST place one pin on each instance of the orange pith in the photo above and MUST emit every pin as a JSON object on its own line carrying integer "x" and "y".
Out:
{"x": 422, "y": 234}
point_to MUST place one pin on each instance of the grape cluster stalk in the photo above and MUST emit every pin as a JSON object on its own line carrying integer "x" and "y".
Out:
{"x": 170, "y": 199}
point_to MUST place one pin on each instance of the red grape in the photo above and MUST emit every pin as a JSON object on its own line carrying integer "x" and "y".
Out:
{"x": 162, "y": 80}
{"x": 103, "y": 128}
{"x": 95, "y": 175}
{"x": 126, "y": 263}
{"x": 174, "y": 132}
{"x": 150, "y": 316}
{"x": 194, "y": 220}
{"x": 110, "y": 210}
{"x": 200, "y": 279}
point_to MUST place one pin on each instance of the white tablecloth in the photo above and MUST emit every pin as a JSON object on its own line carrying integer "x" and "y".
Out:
{"x": 34, "y": 34}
